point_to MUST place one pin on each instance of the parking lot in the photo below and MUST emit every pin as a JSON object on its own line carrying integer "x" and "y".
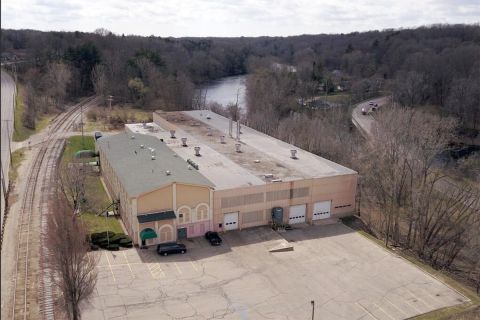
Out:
{"x": 345, "y": 274}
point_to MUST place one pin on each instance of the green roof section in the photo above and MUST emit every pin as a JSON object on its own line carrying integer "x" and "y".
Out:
{"x": 131, "y": 159}
{"x": 157, "y": 216}
{"x": 147, "y": 234}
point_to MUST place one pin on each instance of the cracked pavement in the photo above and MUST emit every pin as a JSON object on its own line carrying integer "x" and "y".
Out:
{"x": 347, "y": 276}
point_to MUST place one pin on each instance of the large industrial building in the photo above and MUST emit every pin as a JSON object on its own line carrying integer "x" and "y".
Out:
{"x": 194, "y": 171}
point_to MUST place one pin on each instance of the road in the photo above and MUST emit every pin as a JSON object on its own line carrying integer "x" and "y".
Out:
{"x": 26, "y": 280}
{"x": 365, "y": 123}
{"x": 7, "y": 107}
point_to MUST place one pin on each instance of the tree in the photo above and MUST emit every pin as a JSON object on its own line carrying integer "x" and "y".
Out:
{"x": 71, "y": 181}
{"x": 55, "y": 82}
{"x": 100, "y": 81}
{"x": 73, "y": 265}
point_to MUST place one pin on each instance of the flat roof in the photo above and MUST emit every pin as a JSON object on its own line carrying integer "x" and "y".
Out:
{"x": 261, "y": 154}
{"x": 138, "y": 172}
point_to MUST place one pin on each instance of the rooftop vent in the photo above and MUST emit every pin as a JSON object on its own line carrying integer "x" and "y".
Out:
{"x": 277, "y": 180}
{"x": 132, "y": 137}
{"x": 197, "y": 151}
{"x": 172, "y": 134}
{"x": 209, "y": 132}
{"x": 237, "y": 147}
{"x": 293, "y": 154}
{"x": 222, "y": 139}
{"x": 256, "y": 161}
{"x": 208, "y": 117}
{"x": 152, "y": 151}
{"x": 184, "y": 142}
{"x": 168, "y": 172}
{"x": 153, "y": 157}
{"x": 142, "y": 146}
{"x": 268, "y": 175}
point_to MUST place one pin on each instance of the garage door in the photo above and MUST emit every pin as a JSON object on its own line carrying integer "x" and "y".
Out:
{"x": 230, "y": 221}
{"x": 321, "y": 210}
{"x": 297, "y": 214}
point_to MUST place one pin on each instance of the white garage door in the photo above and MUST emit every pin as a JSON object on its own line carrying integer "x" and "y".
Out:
{"x": 230, "y": 221}
{"x": 321, "y": 210}
{"x": 297, "y": 214}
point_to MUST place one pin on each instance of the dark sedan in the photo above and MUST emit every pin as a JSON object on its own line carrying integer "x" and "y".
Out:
{"x": 172, "y": 247}
{"x": 213, "y": 238}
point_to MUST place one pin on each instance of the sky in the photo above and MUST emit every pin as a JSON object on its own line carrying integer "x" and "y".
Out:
{"x": 233, "y": 18}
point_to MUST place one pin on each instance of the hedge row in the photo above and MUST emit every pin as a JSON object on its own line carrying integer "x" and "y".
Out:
{"x": 110, "y": 240}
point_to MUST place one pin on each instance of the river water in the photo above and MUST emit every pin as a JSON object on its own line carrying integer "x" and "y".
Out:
{"x": 225, "y": 90}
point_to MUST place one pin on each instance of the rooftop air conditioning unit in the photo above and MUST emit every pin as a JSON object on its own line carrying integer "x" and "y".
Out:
{"x": 222, "y": 139}
{"x": 237, "y": 147}
{"x": 197, "y": 151}
{"x": 153, "y": 157}
{"x": 184, "y": 142}
{"x": 293, "y": 154}
{"x": 172, "y": 134}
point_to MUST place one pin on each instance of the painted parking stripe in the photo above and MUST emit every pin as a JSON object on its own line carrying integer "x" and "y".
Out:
{"x": 178, "y": 269}
{"x": 366, "y": 310}
{"x": 109, "y": 264}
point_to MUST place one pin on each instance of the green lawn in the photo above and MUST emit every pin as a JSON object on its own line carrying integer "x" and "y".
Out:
{"x": 77, "y": 143}
{"x": 21, "y": 133}
{"x": 17, "y": 158}
{"x": 97, "y": 197}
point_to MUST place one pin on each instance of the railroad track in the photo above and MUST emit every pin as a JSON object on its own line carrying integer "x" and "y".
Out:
{"x": 32, "y": 295}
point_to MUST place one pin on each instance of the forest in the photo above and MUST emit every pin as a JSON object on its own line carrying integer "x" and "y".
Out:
{"x": 435, "y": 65}
{"x": 431, "y": 74}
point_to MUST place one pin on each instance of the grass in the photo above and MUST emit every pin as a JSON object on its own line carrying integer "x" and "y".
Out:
{"x": 16, "y": 161}
{"x": 94, "y": 191}
{"x": 126, "y": 112}
{"x": 20, "y": 132}
{"x": 77, "y": 143}
{"x": 338, "y": 98}
{"x": 465, "y": 311}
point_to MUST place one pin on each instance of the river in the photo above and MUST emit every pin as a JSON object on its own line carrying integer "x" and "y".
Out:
{"x": 225, "y": 90}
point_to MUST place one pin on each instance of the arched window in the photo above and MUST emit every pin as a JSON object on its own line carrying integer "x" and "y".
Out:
{"x": 166, "y": 233}
{"x": 184, "y": 215}
{"x": 202, "y": 212}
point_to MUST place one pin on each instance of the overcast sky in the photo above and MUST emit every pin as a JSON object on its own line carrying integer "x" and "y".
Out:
{"x": 233, "y": 17}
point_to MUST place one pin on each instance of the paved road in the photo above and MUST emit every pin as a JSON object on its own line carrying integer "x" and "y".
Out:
{"x": 365, "y": 122}
{"x": 7, "y": 105}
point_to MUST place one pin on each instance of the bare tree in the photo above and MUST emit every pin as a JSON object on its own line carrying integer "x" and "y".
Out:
{"x": 99, "y": 80}
{"x": 74, "y": 267}
{"x": 55, "y": 82}
{"x": 71, "y": 181}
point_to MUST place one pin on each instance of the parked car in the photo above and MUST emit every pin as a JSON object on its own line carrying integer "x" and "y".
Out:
{"x": 213, "y": 238}
{"x": 171, "y": 247}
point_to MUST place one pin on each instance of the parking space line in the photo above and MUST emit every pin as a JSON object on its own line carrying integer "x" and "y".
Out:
{"x": 128, "y": 264}
{"x": 178, "y": 269}
{"x": 366, "y": 310}
{"x": 155, "y": 270}
{"x": 420, "y": 299}
{"x": 193, "y": 266}
{"x": 391, "y": 303}
{"x": 111, "y": 270}
{"x": 385, "y": 312}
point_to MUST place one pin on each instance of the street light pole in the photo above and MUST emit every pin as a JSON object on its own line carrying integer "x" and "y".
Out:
{"x": 313, "y": 309}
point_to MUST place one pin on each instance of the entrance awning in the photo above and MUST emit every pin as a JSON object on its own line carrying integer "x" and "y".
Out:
{"x": 147, "y": 234}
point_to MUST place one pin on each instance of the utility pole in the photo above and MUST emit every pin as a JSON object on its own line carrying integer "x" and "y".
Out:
{"x": 109, "y": 99}
{"x": 313, "y": 309}
{"x": 81, "y": 125}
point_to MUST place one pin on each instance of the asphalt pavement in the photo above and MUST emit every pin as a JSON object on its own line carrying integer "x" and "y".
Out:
{"x": 7, "y": 116}
{"x": 365, "y": 123}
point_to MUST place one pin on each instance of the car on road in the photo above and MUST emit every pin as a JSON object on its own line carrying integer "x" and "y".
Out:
{"x": 364, "y": 110}
{"x": 165, "y": 249}
{"x": 371, "y": 103}
{"x": 213, "y": 238}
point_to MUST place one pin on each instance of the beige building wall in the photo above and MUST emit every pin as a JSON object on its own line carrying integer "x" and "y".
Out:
{"x": 191, "y": 196}
{"x": 254, "y": 203}
{"x": 156, "y": 201}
